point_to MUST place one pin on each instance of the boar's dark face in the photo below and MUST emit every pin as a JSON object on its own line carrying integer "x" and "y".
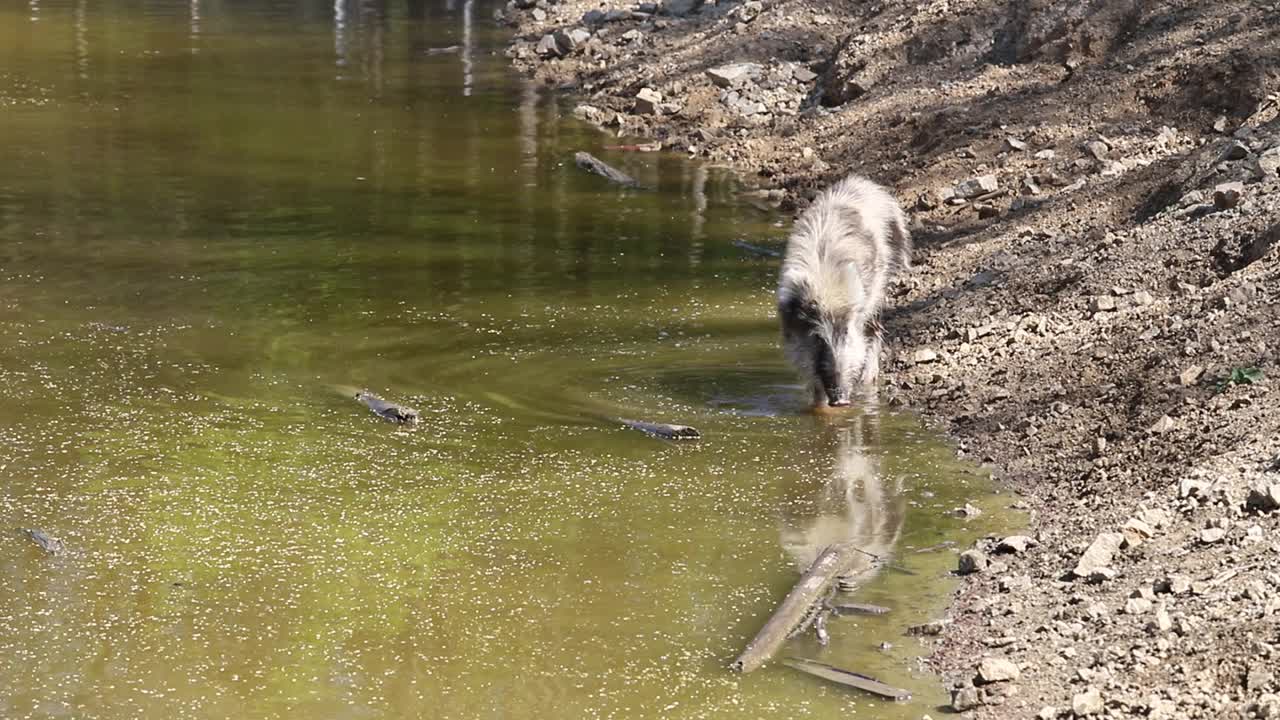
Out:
{"x": 817, "y": 345}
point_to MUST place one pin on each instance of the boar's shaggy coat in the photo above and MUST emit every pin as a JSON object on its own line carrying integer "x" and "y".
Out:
{"x": 840, "y": 257}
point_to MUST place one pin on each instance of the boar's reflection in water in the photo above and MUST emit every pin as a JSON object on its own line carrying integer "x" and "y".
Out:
{"x": 858, "y": 503}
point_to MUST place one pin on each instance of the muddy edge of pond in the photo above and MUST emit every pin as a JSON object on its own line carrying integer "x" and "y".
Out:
{"x": 1073, "y": 329}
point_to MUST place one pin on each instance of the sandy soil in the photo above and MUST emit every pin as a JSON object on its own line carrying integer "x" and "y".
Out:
{"x": 1102, "y": 325}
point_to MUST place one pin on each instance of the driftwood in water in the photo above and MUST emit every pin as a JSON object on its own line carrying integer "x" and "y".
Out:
{"x": 858, "y": 609}
{"x": 594, "y": 165}
{"x": 847, "y": 677}
{"x": 757, "y": 249}
{"x": 47, "y": 542}
{"x": 448, "y": 50}
{"x": 662, "y": 430}
{"x": 798, "y": 606}
{"x": 398, "y": 414}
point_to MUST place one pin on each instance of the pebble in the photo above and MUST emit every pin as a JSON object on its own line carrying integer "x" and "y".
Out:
{"x": 1045, "y": 155}
{"x": 1269, "y": 162}
{"x": 1161, "y": 426}
{"x": 1097, "y": 149}
{"x": 1015, "y": 144}
{"x": 1103, "y": 303}
{"x": 1137, "y": 606}
{"x": 1236, "y": 150}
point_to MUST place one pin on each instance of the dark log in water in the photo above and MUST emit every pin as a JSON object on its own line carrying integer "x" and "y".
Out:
{"x": 847, "y": 677}
{"x": 662, "y": 430}
{"x": 797, "y": 607}
{"x": 594, "y": 165}
{"x": 392, "y": 412}
{"x": 47, "y": 542}
{"x": 859, "y": 609}
{"x": 757, "y": 249}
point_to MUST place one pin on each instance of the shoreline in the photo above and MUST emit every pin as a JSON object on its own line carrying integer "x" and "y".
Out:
{"x": 1095, "y": 196}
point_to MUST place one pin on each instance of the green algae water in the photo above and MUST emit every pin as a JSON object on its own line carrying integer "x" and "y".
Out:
{"x": 218, "y": 219}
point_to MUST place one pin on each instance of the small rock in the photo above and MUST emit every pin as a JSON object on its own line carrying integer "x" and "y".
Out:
{"x": 996, "y": 669}
{"x": 1193, "y": 487}
{"x": 1220, "y": 125}
{"x": 1048, "y": 712}
{"x": 1142, "y": 298}
{"x": 1045, "y": 154}
{"x": 647, "y": 102}
{"x": 548, "y": 47}
{"x": 1015, "y": 544}
{"x": 1189, "y": 376}
{"x": 972, "y": 561}
{"x": 1101, "y": 575}
{"x": 1236, "y": 150}
{"x": 1097, "y": 149}
{"x": 1099, "y": 554}
{"x": 1015, "y": 144}
{"x": 750, "y": 10}
{"x": 1161, "y": 622}
{"x": 727, "y": 76}
{"x": 1161, "y": 426}
{"x": 1087, "y": 703}
{"x": 1269, "y": 162}
{"x": 1212, "y": 535}
{"x": 1176, "y": 585}
{"x": 1136, "y": 532}
{"x": 987, "y": 211}
{"x": 1227, "y": 195}
{"x": 804, "y": 75}
{"x": 1137, "y": 606}
{"x": 539, "y": 15}
{"x": 974, "y": 187}
{"x": 1263, "y": 498}
{"x": 968, "y": 511}
{"x": 965, "y": 699}
{"x": 924, "y": 355}
{"x": 1258, "y": 678}
{"x": 1102, "y": 303}
{"x": 593, "y": 17}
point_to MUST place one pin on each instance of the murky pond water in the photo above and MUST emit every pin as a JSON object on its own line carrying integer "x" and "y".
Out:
{"x": 217, "y": 218}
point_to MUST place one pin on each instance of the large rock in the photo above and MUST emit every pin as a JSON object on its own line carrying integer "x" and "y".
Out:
{"x": 1263, "y": 498}
{"x": 994, "y": 669}
{"x": 1099, "y": 554}
{"x": 734, "y": 74}
{"x": 1269, "y": 162}
{"x": 965, "y": 699}
{"x": 571, "y": 40}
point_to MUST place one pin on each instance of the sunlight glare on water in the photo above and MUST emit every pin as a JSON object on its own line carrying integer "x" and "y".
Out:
{"x": 219, "y": 219}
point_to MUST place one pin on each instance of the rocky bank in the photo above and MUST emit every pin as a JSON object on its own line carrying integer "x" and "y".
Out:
{"x": 1095, "y": 311}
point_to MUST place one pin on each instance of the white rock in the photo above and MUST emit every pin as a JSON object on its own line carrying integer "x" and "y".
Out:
{"x": 1087, "y": 703}
{"x": 996, "y": 669}
{"x": 1162, "y": 426}
{"x": 727, "y": 76}
{"x": 1212, "y": 535}
{"x": 647, "y": 101}
{"x": 1099, "y": 554}
{"x": 924, "y": 355}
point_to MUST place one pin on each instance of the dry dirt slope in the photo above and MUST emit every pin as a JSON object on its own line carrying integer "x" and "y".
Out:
{"x": 1104, "y": 312}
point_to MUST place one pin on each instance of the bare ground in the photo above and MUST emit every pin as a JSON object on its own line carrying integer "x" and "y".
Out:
{"x": 1097, "y": 320}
